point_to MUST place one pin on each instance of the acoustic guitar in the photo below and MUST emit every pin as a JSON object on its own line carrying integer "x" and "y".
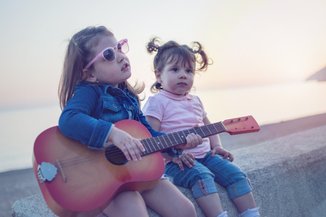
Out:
{"x": 75, "y": 179}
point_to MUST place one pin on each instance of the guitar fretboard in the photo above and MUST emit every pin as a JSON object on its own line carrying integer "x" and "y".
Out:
{"x": 159, "y": 143}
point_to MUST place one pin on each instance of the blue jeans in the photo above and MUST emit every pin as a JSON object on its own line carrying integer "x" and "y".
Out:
{"x": 201, "y": 178}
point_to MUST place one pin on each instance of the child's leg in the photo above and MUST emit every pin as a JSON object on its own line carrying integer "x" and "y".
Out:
{"x": 234, "y": 180}
{"x": 210, "y": 205}
{"x": 201, "y": 183}
{"x": 126, "y": 204}
{"x": 166, "y": 199}
{"x": 245, "y": 202}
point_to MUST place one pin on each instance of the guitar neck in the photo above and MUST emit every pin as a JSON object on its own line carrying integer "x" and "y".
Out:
{"x": 155, "y": 144}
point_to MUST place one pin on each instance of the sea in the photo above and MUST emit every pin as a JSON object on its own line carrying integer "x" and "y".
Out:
{"x": 267, "y": 104}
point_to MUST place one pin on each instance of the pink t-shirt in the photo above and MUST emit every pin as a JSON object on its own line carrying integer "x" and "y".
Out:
{"x": 178, "y": 113}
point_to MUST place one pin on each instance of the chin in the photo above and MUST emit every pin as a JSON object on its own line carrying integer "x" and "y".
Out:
{"x": 128, "y": 75}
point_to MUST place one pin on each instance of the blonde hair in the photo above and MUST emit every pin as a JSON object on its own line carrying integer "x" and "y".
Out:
{"x": 78, "y": 54}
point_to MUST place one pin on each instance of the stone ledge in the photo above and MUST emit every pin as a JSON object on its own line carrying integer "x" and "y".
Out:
{"x": 287, "y": 173}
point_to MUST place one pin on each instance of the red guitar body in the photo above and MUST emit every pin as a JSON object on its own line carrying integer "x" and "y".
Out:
{"x": 86, "y": 181}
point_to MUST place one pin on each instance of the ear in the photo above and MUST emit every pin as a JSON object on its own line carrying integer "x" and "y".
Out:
{"x": 89, "y": 76}
{"x": 158, "y": 76}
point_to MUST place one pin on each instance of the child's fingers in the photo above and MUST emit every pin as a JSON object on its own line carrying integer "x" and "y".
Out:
{"x": 228, "y": 156}
{"x": 178, "y": 161}
{"x": 231, "y": 158}
{"x": 188, "y": 159}
{"x": 132, "y": 150}
{"x": 125, "y": 151}
{"x": 180, "y": 164}
{"x": 193, "y": 139}
{"x": 140, "y": 146}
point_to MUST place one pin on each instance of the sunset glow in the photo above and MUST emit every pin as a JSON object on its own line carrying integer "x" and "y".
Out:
{"x": 257, "y": 42}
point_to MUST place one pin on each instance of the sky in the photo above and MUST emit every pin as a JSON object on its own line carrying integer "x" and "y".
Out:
{"x": 251, "y": 42}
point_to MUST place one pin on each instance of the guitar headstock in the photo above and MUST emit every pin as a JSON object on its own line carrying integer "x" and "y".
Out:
{"x": 246, "y": 124}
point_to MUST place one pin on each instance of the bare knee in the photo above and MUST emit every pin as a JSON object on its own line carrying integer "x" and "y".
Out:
{"x": 128, "y": 203}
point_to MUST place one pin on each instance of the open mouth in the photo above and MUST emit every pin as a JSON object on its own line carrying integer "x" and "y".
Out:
{"x": 125, "y": 67}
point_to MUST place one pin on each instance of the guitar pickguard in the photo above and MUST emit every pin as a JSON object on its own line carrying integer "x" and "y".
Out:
{"x": 46, "y": 172}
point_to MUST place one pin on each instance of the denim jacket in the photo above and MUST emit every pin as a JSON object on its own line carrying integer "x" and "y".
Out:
{"x": 93, "y": 109}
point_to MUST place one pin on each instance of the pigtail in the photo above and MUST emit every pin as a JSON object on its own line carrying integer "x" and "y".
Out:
{"x": 153, "y": 45}
{"x": 200, "y": 56}
{"x": 171, "y": 51}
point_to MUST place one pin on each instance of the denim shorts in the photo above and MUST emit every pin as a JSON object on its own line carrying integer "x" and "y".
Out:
{"x": 201, "y": 178}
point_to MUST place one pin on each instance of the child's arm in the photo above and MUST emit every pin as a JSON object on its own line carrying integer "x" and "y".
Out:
{"x": 216, "y": 145}
{"x": 76, "y": 121}
{"x": 187, "y": 159}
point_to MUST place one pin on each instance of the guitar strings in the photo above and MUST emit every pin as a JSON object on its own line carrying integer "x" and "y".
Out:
{"x": 153, "y": 143}
{"x": 149, "y": 143}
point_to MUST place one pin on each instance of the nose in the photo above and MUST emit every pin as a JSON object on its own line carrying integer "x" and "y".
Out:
{"x": 120, "y": 56}
{"x": 183, "y": 74}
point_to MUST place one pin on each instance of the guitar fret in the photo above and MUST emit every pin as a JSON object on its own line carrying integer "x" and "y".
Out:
{"x": 165, "y": 143}
{"x": 154, "y": 144}
{"x": 202, "y": 133}
{"x": 183, "y": 136}
{"x": 218, "y": 127}
{"x": 192, "y": 130}
{"x": 211, "y": 128}
{"x": 208, "y": 129}
{"x": 171, "y": 142}
{"x": 177, "y": 138}
{"x": 161, "y": 142}
{"x": 172, "y": 139}
{"x": 148, "y": 145}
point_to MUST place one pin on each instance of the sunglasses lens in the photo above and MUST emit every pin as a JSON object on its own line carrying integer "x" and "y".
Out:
{"x": 109, "y": 54}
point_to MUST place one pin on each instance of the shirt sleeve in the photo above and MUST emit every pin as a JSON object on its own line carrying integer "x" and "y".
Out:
{"x": 153, "y": 132}
{"x": 154, "y": 108}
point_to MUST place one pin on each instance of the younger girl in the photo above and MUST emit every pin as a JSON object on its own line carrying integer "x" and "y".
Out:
{"x": 95, "y": 94}
{"x": 173, "y": 109}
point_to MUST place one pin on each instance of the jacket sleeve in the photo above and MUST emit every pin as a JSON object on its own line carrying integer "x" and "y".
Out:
{"x": 77, "y": 123}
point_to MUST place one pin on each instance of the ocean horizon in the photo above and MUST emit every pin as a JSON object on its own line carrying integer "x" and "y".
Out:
{"x": 268, "y": 104}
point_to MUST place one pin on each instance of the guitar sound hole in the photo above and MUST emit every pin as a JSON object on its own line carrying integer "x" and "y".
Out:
{"x": 115, "y": 155}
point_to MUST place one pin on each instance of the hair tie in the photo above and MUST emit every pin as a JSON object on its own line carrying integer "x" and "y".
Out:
{"x": 196, "y": 47}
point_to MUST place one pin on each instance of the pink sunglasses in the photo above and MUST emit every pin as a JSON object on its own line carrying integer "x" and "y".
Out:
{"x": 109, "y": 53}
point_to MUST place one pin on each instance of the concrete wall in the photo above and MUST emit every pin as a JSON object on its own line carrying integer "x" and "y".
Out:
{"x": 288, "y": 175}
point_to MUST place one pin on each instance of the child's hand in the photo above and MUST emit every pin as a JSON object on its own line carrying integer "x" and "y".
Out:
{"x": 130, "y": 146}
{"x": 192, "y": 141}
{"x": 224, "y": 153}
{"x": 188, "y": 159}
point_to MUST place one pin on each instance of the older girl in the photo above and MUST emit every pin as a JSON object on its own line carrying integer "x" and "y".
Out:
{"x": 94, "y": 94}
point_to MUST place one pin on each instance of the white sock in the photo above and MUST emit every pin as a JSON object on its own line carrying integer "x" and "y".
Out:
{"x": 223, "y": 214}
{"x": 250, "y": 213}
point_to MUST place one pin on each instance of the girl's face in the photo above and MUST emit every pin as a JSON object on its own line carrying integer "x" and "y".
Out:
{"x": 176, "y": 78}
{"x": 112, "y": 72}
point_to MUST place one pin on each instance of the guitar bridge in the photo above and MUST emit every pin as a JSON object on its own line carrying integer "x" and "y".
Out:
{"x": 46, "y": 172}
